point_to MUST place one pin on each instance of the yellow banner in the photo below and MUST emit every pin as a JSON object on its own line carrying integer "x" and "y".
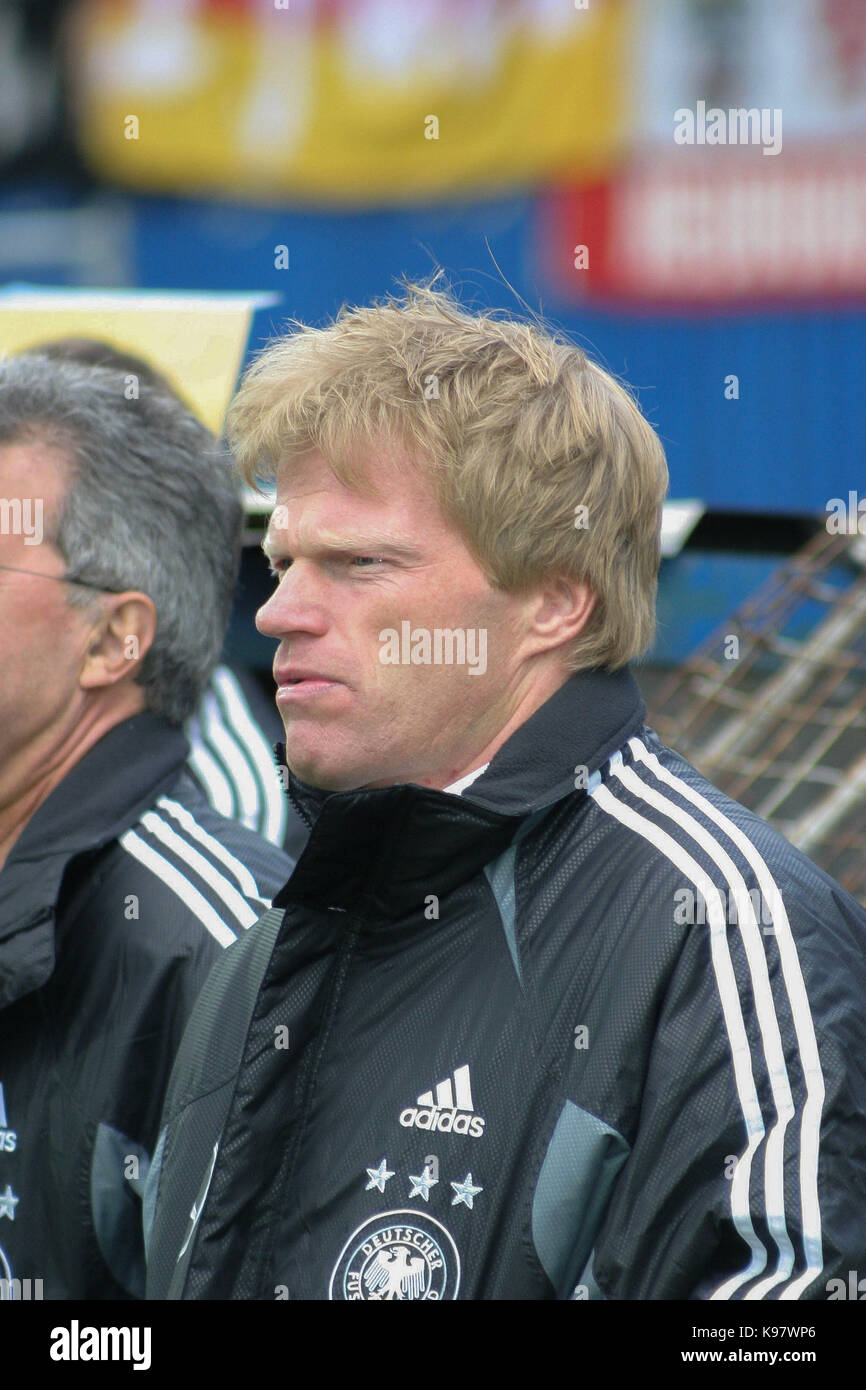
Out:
{"x": 360, "y": 102}
{"x": 197, "y": 341}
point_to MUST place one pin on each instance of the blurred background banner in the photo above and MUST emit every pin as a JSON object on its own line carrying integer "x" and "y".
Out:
{"x": 326, "y": 99}
{"x": 681, "y": 184}
{"x": 197, "y": 341}
{"x": 677, "y": 233}
{"x": 693, "y": 217}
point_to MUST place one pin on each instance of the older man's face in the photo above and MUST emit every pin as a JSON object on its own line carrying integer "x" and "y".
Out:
{"x": 365, "y": 584}
{"x": 43, "y": 641}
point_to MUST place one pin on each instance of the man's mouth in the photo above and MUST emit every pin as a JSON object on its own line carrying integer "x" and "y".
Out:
{"x": 294, "y": 683}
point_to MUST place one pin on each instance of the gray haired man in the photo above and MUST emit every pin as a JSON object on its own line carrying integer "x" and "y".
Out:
{"x": 119, "y": 885}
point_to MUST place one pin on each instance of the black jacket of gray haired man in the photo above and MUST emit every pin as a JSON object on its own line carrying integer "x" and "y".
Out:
{"x": 122, "y": 891}
{"x": 512, "y": 1045}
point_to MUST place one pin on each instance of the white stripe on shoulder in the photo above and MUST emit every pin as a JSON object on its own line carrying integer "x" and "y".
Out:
{"x": 768, "y": 1024}
{"x": 175, "y": 880}
{"x": 792, "y": 974}
{"x": 730, "y": 1002}
{"x": 216, "y": 785}
{"x": 213, "y": 877}
{"x": 221, "y": 737}
{"x": 187, "y": 821}
{"x": 259, "y": 750}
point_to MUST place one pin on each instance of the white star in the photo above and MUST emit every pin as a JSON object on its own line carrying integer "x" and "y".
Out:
{"x": 422, "y": 1185}
{"x": 8, "y": 1203}
{"x": 464, "y": 1192}
{"x": 378, "y": 1176}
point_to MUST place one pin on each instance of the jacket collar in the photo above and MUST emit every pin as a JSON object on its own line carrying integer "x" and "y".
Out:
{"x": 101, "y": 797}
{"x": 395, "y": 845}
{"x": 579, "y": 727}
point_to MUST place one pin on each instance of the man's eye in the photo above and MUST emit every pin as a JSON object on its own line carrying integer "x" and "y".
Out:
{"x": 367, "y": 560}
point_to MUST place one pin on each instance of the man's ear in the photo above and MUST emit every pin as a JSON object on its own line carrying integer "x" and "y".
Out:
{"x": 561, "y": 609}
{"x": 119, "y": 639}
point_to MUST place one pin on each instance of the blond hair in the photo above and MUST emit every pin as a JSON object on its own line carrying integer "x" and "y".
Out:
{"x": 517, "y": 427}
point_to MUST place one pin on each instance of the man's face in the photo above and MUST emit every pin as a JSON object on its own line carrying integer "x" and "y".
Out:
{"x": 42, "y": 640}
{"x": 351, "y": 568}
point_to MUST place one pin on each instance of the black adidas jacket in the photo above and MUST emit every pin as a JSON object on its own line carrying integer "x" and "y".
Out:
{"x": 478, "y": 1050}
{"x": 121, "y": 892}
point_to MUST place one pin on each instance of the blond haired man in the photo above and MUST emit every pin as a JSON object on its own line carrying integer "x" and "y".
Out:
{"x": 474, "y": 1051}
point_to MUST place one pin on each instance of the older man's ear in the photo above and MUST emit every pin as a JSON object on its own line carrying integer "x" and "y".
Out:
{"x": 119, "y": 639}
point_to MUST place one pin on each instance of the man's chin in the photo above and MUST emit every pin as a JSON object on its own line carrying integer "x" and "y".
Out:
{"x": 314, "y": 776}
{"x": 321, "y": 772}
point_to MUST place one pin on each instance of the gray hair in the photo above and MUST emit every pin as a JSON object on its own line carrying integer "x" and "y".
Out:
{"x": 152, "y": 504}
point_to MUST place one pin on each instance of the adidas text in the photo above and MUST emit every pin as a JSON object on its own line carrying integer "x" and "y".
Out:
{"x": 445, "y": 1121}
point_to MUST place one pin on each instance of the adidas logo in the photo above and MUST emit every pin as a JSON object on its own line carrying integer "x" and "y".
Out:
{"x": 451, "y": 1110}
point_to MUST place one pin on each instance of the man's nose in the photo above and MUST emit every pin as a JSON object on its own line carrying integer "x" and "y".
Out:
{"x": 294, "y": 606}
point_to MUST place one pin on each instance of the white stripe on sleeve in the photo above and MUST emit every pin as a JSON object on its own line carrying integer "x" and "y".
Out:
{"x": 212, "y": 876}
{"x": 216, "y": 785}
{"x": 783, "y": 1102}
{"x": 259, "y": 752}
{"x": 731, "y": 1011}
{"x": 188, "y": 822}
{"x": 175, "y": 880}
{"x": 222, "y": 740}
{"x": 804, "y": 1028}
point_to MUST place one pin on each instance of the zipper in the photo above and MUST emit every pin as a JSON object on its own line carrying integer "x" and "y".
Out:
{"x": 287, "y": 1170}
